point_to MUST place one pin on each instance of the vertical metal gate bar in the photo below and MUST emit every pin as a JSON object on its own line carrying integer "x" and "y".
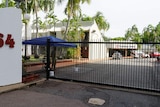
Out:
{"x": 48, "y": 59}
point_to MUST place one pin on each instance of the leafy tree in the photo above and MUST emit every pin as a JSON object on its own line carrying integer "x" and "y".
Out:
{"x": 11, "y": 3}
{"x": 157, "y": 36}
{"x": 106, "y": 38}
{"x": 148, "y": 34}
{"x": 157, "y": 33}
{"x": 152, "y": 34}
{"x": 132, "y": 34}
{"x": 119, "y": 38}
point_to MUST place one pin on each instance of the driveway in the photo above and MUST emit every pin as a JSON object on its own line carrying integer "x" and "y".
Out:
{"x": 135, "y": 73}
{"x": 55, "y": 93}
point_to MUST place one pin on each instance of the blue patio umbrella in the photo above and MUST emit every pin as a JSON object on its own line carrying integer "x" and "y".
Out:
{"x": 53, "y": 42}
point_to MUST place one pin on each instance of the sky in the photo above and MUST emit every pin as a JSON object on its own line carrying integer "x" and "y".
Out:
{"x": 121, "y": 14}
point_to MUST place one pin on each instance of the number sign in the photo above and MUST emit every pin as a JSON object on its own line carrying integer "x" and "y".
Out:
{"x": 9, "y": 41}
{"x": 10, "y": 46}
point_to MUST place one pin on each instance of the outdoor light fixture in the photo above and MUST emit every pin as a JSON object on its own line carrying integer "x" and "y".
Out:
{"x": 63, "y": 28}
{"x": 93, "y": 31}
{"x": 26, "y": 16}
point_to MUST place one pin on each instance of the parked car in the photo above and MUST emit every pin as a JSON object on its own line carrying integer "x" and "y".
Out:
{"x": 117, "y": 55}
{"x": 144, "y": 55}
{"x": 154, "y": 54}
{"x": 139, "y": 54}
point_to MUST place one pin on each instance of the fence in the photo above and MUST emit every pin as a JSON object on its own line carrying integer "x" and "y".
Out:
{"x": 97, "y": 65}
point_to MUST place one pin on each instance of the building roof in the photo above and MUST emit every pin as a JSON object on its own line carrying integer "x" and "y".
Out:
{"x": 61, "y": 26}
{"x": 85, "y": 25}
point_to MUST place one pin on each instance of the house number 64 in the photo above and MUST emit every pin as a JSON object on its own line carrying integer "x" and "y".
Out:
{"x": 9, "y": 41}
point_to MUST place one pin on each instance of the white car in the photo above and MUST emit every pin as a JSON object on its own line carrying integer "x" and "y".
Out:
{"x": 139, "y": 54}
{"x": 144, "y": 55}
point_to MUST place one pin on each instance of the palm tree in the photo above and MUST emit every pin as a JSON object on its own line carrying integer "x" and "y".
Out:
{"x": 102, "y": 24}
{"x": 72, "y": 9}
{"x": 51, "y": 19}
{"x": 34, "y": 6}
{"x": 101, "y": 21}
{"x": 74, "y": 30}
{"x": 47, "y": 5}
{"x": 41, "y": 24}
{"x": 86, "y": 18}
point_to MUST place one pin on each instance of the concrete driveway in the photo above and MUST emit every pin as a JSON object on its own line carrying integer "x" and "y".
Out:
{"x": 141, "y": 73}
{"x": 55, "y": 93}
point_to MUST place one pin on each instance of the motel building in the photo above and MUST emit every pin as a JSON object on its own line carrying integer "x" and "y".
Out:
{"x": 124, "y": 47}
{"x": 90, "y": 51}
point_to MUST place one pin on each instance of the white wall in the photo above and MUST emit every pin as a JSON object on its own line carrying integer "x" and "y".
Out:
{"x": 59, "y": 35}
{"x": 10, "y": 58}
{"x": 96, "y": 50}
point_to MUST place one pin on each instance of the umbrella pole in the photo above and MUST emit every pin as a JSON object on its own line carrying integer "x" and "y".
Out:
{"x": 53, "y": 53}
{"x": 48, "y": 59}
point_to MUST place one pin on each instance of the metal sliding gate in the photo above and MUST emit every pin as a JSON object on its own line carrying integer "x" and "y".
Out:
{"x": 141, "y": 72}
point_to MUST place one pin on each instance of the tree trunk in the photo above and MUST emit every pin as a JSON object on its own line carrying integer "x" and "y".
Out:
{"x": 35, "y": 47}
{"x": 67, "y": 28}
